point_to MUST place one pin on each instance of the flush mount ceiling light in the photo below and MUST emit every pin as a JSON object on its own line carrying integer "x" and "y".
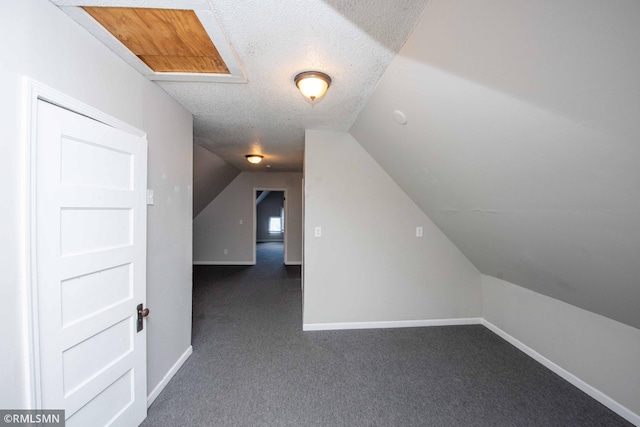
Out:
{"x": 254, "y": 158}
{"x": 312, "y": 84}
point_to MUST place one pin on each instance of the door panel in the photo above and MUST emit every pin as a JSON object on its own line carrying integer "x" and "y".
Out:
{"x": 98, "y": 291}
{"x": 91, "y": 268}
{"x": 114, "y": 399}
{"x": 86, "y": 164}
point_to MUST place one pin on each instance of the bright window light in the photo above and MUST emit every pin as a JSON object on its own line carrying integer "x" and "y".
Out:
{"x": 275, "y": 224}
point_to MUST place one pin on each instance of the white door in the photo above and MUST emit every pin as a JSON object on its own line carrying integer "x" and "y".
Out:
{"x": 91, "y": 268}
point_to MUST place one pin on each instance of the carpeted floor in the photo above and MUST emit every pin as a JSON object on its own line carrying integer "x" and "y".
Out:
{"x": 253, "y": 366}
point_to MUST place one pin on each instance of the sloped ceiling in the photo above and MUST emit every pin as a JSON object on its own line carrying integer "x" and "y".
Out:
{"x": 522, "y": 141}
{"x": 211, "y": 175}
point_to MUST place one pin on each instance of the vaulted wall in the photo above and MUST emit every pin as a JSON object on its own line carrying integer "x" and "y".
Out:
{"x": 211, "y": 175}
{"x": 368, "y": 265}
{"x": 224, "y": 232}
{"x": 521, "y": 141}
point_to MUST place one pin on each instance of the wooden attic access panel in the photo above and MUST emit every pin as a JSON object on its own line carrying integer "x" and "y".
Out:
{"x": 167, "y": 40}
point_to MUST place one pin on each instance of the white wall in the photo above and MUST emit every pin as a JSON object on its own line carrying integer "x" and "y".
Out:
{"x": 603, "y": 353}
{"x": 218, "y": 226}
{"x": 522, "y": 141}
{"x": 369, "y": 265}
{"x": 211, "y": 174}
{"x": 41, "y": 42}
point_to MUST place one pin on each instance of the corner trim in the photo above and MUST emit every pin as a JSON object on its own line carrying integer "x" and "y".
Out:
{"x": 224, "y": 263}
{"x": 168, "y": 376}
{"x": 607, "y": 401}
{"x": 390, "y": 324}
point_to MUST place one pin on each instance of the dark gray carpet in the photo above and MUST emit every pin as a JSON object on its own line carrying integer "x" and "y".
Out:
{"x": 253, "y": 366}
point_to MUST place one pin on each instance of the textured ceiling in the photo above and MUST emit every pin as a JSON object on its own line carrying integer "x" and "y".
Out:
{"x": 352, "y": 41}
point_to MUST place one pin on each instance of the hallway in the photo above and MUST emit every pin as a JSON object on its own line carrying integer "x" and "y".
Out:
{"x": 253, "y": 366}
{"x": 243, "y": 318}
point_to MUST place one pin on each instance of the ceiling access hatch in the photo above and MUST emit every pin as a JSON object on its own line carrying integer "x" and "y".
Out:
{"x": 167, "y": 40}
{"x": 181, "y": 43}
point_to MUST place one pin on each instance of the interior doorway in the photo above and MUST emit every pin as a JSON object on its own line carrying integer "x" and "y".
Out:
{"x": 88, "y": 262}
{"x": 270, "y": 222}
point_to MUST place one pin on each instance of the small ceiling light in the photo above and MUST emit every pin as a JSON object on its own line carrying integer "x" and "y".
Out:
{"x": 312, "y": 84}
{"x": 254, "y": 158}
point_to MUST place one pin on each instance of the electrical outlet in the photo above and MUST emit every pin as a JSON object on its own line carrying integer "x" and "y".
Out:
{"x": 317, "y": 232}
{"x": 418, "y": 231}
{"x": 226, "y": 252}
{"x": 240, "y": 222}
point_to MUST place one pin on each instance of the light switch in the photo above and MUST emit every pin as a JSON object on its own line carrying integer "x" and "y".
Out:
{"x": 150, "y": 198}
{"x": 240, "y": 222}
{"x": 317, "y": 232}
{"x": 418, "y": 231}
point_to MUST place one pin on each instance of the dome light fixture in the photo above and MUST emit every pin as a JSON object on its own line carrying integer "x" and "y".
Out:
{"x": 312, "y": 84}
{"x": 254, "y": 158}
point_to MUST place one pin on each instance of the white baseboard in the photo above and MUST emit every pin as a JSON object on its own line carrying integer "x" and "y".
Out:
{"x": 607, "y": 401}
{"x": 616, "y": 407}
{"x": 176, "y": 366}
{"x": 390, "y": 324}
{"x": 238, "y": 263}
{"x": 621, "y": 410}
{"x": 224, "y": 263}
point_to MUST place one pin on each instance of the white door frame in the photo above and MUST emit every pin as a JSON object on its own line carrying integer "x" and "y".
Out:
{"x": 255, "y": 220}
{"x": 34, "y": 91}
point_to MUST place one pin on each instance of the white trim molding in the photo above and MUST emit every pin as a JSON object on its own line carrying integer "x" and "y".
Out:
{"x": 607, "y": 401}
{"x": 169, "y": 375}
{"x": 390, "y": 324}
{"x": 596, "y": 394}
{"x": 286, "y": 219}
{"x": 223, "y": 263}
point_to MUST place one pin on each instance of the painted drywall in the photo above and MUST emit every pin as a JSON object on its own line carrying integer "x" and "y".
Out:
{"x": 227, "y": 222}
{"x": 521, "y": 141}
{"x": 211, "y": 174}
{"x": 368, "y": 265}
{"x": 602, "y": 352}
{"x": 46, "y": 45}
{"x": 271, "y": 206}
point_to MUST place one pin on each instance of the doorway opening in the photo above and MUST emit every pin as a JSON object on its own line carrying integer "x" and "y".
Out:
{"x": 270, "y": 224}
{"x": 85, "y": 260}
